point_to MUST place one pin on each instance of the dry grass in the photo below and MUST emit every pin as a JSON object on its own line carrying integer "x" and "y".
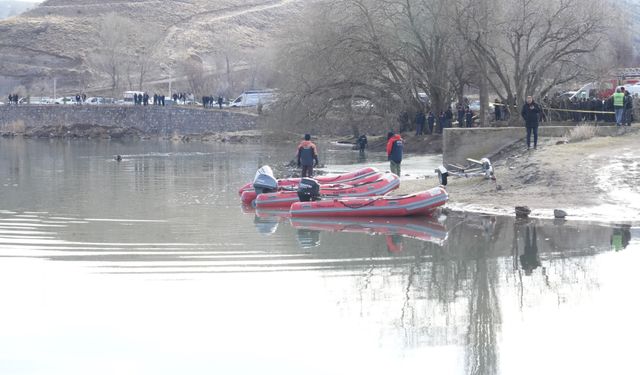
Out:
{"x": 581, "y": 133}
{"x": 15, "y": 127}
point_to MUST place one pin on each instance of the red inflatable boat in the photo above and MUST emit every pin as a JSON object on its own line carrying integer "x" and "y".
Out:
{"x": 248, "y": 196}
{"x": 328, "y": 179}
{"x": 382, "y": 185}
{"x": 423, "y": 229}
{"x": 423, "y": 203}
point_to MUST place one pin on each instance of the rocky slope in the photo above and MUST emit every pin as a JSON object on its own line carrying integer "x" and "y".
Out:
{"x": 57, "y": 38}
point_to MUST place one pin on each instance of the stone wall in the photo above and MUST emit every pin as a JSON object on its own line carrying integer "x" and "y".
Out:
{"x": 160, "y": 121}
{"x": 477, "y": 143}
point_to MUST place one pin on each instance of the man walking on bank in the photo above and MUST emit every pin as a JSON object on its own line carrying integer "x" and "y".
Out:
{"x": 531, "y": 114}
{"x": 307, "y": 156}
{"x": 394, "y": 152}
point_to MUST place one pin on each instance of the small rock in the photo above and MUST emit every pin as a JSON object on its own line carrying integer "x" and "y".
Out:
{"x": 559, "y": 214}
{"x": 522, "y": 211}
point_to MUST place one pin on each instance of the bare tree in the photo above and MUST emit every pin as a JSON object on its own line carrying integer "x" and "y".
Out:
{"x": 195, "y": 74}
{"x": 111, "y": 56}
{"x": 530, "y": 46}
{"x": 388, "y": 53}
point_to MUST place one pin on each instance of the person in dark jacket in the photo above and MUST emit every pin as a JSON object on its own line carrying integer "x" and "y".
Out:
{"x": 362, "y": 143}
{"x": 461, "y": 111}
{"x": 307, "y": 156}
{"x": 468, "y": 114}
{"x": 628, "y": 108}
{"x": 394, "y": 151}
{"x": 420, "y": 120}
{"x": 442, "y": 122}
{"x": 449, "y": 117}
{"x": 497, "y": 108}
{"x": 531, "y": 114}
{"x": 431, "y": 120}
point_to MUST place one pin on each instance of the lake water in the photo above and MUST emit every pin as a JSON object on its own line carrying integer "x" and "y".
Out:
{"x": 151, "y": 266}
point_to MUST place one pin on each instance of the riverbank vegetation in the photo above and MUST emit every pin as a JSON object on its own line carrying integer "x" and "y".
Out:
{"x": 362, "y": 64}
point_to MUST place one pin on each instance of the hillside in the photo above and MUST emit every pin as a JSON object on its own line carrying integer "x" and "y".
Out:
{"x": 13, "y": 8}
{"x": 57, "y": 38}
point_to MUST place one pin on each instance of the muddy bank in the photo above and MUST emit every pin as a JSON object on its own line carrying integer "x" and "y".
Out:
{"x": 89, "y": 131}
{"x": 237, "y": 137}
{"x": 592, "y": 179}
{"x": 86, "y": 131}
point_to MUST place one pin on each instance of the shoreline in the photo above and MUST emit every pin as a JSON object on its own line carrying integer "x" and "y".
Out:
{"x": 592, "y": 180}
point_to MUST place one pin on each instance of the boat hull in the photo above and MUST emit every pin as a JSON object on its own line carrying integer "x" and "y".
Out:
{"x": 284, "y": 199}
{"x": 422, "y": 203}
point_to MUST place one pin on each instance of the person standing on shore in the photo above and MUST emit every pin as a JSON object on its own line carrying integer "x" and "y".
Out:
{"x": 420, "y": 120}
{"x": 394, "y": 152}
{"x": 628, "y": 108}
{"x": 431, "y": 120}
{"x": 618, "y": 106}
{"x": 307, "y": 156}
{"x": 362, "y": 143}
{"x": 531, "y": 114}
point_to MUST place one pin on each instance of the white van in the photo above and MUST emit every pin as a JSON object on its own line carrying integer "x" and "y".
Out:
{"x": 633, "y": 89}
{"x": 253, "y": 98}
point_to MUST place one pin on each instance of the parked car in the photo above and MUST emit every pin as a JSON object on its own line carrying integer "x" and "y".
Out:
{"x": 99, "y": 100}
{"x": 253, "y": 98}
{"x": 36, "y": 100}
{"x": 65, "y": 100}
{"x": 474, "y": 105}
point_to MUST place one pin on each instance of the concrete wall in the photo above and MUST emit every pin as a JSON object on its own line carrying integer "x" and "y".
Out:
{"x": 151, "y": 120}
{"x": 477, "y": 143}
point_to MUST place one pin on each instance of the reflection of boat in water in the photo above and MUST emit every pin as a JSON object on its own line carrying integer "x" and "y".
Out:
{"x": 420, "y": 228}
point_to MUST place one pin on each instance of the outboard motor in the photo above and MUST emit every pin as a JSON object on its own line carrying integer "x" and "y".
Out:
{"x": 264, "y": 182}
{"x": 308, "y": 190}
{"x": 487, "y": 168}
{"x": 443, "y": 173}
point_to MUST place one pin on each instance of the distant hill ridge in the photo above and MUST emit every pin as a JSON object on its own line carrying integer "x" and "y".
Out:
{"x": 56, "y": 38}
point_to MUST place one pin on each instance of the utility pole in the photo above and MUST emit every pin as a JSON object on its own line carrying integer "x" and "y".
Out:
{"x": 55, "y": 82}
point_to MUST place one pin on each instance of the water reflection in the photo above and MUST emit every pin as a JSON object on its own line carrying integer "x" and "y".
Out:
{"x": 165, "y": 224}
{"x": 529, "y": 260}
{"x": 620, "y": 237}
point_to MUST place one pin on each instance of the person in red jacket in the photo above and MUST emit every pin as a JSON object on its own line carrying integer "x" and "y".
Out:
{"x": 394, "y": 152}
{"x": 307, "y": 156}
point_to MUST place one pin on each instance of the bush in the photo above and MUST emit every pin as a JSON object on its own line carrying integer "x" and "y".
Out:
{"x": 582, "y": 133}
{"x": 16, "y": 127}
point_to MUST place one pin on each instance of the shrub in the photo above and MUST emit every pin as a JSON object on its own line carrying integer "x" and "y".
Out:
{"x": 581, "y": 133}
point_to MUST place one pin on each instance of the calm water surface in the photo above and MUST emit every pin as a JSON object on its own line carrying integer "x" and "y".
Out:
{"x": 151, "y": 266}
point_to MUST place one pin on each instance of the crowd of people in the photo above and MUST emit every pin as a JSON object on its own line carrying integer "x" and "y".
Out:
{"x": 13, "y": 99}
{"x": 575, "y": 109}
{"x": 431, "y": 124}
{"x": 212, "y": 101}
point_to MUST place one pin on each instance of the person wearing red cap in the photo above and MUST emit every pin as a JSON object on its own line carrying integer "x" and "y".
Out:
{"x": 394, "y": 152}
